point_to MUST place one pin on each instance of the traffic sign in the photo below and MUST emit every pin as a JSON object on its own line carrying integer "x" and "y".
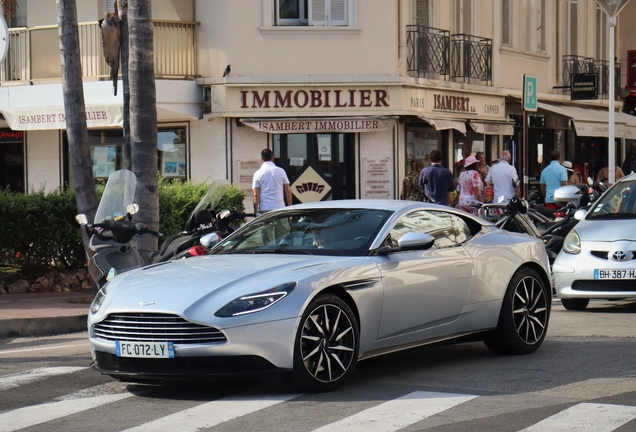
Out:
{"x": 529, "y": 93}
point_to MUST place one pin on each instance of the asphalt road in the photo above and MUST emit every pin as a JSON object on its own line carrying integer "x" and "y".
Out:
{"x": 582, "y": 378}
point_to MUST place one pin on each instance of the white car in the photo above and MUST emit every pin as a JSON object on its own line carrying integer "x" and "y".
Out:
{"x": 598, "y": 259}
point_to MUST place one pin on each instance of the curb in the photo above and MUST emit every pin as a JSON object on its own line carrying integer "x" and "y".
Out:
{"x": 47, "y": 326}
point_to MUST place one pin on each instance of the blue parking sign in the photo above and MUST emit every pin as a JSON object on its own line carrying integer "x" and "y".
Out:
{"x": 529, "y": 92}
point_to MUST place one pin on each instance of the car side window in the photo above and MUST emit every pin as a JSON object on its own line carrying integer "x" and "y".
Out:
{"x": 448, "y": 229}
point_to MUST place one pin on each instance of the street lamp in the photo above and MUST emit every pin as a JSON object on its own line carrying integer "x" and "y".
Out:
{"x": 611, "y": 8}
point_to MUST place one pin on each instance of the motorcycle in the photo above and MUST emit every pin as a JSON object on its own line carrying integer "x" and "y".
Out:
{"x": 113, "y": 241}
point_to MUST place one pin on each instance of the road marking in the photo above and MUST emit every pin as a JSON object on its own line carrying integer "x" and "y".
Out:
{"x": 398, "y": 413}
{"x": 16, "y": 380}
{"x": 43, "y": 348}
{"x": 38, "y": 414}
{"x": 212, "y": 413}
{"x": 586, "y": 417}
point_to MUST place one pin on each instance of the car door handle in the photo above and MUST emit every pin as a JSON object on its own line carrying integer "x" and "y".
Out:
{"x": 460, "y": 264}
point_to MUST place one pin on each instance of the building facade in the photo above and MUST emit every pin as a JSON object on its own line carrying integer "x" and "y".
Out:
{"x": 346, "y": 92}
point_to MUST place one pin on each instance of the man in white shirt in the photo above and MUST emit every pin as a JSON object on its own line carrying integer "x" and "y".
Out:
{"x": 269, "y": 184}
{"x": 502, "y": 175}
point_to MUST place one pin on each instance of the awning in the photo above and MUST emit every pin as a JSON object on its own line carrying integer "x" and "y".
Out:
{"x": 444, "y": 124}
{"x": 296, "y": 125}
{"x": 52, "y": 117}
{"x": 587, "y": 121}
{"x": 493, "y": 128}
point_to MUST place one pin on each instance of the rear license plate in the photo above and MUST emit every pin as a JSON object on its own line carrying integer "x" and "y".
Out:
{"x": 145, "y": 349}
{"x": 615, "y": 274}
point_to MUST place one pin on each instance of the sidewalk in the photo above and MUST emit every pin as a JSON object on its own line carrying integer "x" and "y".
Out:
{"x": 43, "y": 314}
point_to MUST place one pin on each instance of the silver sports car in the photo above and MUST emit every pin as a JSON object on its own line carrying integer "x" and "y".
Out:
{"x": 598, "y": 259}
{"x": 309, "y": 290}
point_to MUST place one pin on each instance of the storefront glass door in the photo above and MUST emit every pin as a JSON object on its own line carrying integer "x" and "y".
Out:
{"x": 12, "y": 161}
{"x": 332, "y": 155}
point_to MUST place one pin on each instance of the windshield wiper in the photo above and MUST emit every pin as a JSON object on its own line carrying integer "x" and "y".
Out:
{"x": 272, "y": 251}
{"x": 614, "y": 216}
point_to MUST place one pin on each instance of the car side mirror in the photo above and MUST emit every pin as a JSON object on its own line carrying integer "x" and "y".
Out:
{"x": 580, "y": 214}
{"x": 416, "y": 240}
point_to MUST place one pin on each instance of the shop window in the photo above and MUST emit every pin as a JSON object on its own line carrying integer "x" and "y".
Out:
{"x": 420, "y": 141}
{"x": 12, "y": 161}
{"x": 312, "y": 12}
{"x": 107, "y": 153}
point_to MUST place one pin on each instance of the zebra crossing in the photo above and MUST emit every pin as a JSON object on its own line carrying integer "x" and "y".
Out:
{"x": 404, "y": 411}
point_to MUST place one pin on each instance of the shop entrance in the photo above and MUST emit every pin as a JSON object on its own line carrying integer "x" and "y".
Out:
{"x": 12, "y": 161}
{"x": 332, "y": 155}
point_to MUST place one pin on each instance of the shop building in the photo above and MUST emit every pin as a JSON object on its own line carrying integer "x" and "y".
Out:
{"x": 345, "y": 92}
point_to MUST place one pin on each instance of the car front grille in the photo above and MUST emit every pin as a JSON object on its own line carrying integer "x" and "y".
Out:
{"x": 151, "y": 327}
{"x": 604, "y": 285}
{"x": 604, "y": 254}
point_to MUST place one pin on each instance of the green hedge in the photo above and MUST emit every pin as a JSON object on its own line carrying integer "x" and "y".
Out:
{"x": 39, "y": 230}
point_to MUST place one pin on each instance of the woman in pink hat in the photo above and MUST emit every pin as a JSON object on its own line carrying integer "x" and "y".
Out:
{"x": 471, "y": 187}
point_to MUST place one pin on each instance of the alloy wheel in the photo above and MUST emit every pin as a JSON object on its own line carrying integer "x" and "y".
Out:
{"x": 327, "y": 343}
{"x": 530, "y": 310}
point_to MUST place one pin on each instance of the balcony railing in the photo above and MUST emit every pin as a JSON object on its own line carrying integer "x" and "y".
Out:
{"x": 575, "y": 64}
{"x": 601, "y": 67}
{"x": 471, "y": 59}
{"x": 428, "y": 50}
{"x": 34, "y": 53}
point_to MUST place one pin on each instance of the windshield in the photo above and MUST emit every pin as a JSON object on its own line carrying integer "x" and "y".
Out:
{"x": 619, "y": 202}
{"x": 118, "y": 193}
{"x": 341, "y": 232}
{"x": 210, "y": 201}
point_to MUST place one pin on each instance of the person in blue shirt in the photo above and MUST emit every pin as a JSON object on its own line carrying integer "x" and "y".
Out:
{"x": 553, "y": 177}
{"x": 436, "y": 180}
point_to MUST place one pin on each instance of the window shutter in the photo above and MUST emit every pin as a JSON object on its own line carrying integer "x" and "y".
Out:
{"x": 317, "y": 12}
{"x": 505, "y": 22}
{"x": 458, "y": 16}
{"x": 338, "y": 12}
{"x": 422, "y": 18}
{"x": 574, "y": 32}
{"x": 467, "y": 18}
{"x": 110, "y": 5}
{"x": 541, "y": 36}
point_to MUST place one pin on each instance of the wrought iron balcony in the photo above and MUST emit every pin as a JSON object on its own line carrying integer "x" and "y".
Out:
{"x": 34, "y": 53}
{"x": 575, "y": 64}
{"x": 471, "y": 59}
{"x": 601, "y": 67}
{"x": 428, "y": 52}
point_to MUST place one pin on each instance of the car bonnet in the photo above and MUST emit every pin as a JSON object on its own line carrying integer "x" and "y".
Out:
{"x": 606, "y": 230}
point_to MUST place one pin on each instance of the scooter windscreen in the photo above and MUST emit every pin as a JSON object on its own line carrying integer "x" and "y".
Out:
{"x": 118, "y": 194}
{"x": 210, "y": 201}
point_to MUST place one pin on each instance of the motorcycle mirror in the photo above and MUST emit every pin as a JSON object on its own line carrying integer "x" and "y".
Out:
{"x": 580, "y": 214}
{"x": 132, "y": 208}
{"x": 208, "y": 241}
{"x": 224, "y": 214}
{"x": 81, "y": 219}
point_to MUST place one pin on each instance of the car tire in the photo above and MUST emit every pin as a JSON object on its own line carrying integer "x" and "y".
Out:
{"x": 524, "y": 316}
{"x": 326, "y": 345}
{"x": 575, "y": 303}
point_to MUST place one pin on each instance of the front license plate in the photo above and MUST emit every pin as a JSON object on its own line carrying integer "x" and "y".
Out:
{"x": 615, "y": 274}
{"x": 145, "y": 349}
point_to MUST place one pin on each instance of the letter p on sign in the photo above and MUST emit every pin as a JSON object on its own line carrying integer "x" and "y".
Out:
{"x": 529, "y": 93}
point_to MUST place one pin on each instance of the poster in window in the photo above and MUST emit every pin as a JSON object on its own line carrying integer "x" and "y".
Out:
{"x": 104, "y": 158}
{"x": 173, "y": 163}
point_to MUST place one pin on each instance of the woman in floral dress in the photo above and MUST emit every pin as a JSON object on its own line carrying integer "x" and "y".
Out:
{"x": 471, "y": 187}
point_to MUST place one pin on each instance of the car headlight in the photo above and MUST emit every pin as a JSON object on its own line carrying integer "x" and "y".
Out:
{"x": 255, "y": 302}
{"x": 99, "y": 299}
{"x": 572, "y": 243}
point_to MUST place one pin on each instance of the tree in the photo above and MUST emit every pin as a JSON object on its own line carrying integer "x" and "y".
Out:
{"x": 75, "y": 111}
{"x": 9, "y": 8}
{"x": 143, "y": 117}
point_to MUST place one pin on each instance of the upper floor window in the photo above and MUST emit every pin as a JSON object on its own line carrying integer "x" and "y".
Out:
{"x": 601, "y": 34}
{"x": 464, "y": 17}
{"x": 312, "y": 12}
{"x": 541, "y": 11}
{"x": 506, "y": 17}
{"x": 572, "y": 27}
{"x": 18, "y": 17}
{"x": 422, "y": 13}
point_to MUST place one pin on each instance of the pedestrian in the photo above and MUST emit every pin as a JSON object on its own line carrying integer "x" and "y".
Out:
{"x": 411, "y": 189}
{"x": 482, "y": 167}
{"x": 471, "y": 187}
{"x": 502, "y": 175}
{"x": 603, "y": 174}
{"x": 553, "y": 177}
{"x": 573, "y": 176}
{"x": 436, "y": 180}
{"x": 270, "y": 185}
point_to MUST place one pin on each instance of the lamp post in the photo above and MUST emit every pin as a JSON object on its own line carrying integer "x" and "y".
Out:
{"x": 612, "y": 9}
